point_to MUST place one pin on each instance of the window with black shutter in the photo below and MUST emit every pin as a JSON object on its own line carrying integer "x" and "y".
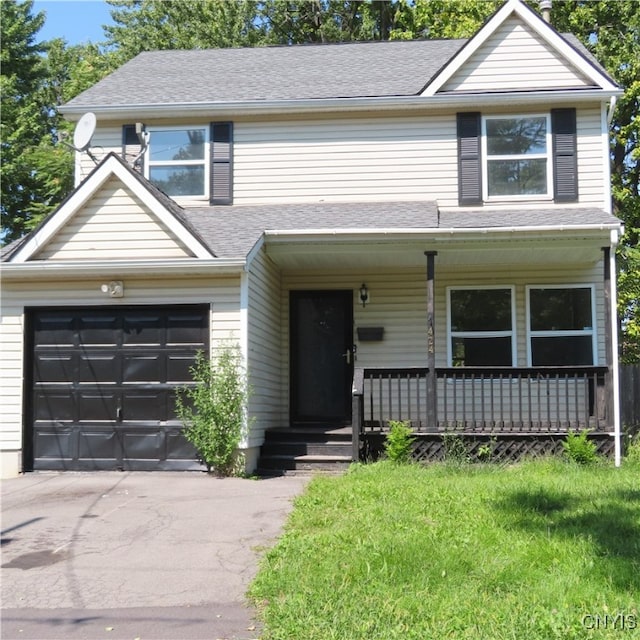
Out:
{"x": 187, "y": 161}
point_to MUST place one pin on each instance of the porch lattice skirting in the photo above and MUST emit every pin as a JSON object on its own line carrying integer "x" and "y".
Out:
{"x": 474, "y": 447}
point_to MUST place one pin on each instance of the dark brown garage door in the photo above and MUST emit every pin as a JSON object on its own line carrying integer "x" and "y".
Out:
{"x": 102, "y": 386}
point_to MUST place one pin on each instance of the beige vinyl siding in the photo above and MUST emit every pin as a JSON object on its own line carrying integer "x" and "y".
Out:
{"x": 105, "y": 140}
{"x": 408, "y": 158}
{"x": 398, "y": 303}
{"x": 391, "y": 157}
{"x": 264, "y": 358}
{"x": 591, "y": 185}
{"x": 114, "y": 224}
{"x": 221, "y": 293}
{"x": 514, "y": 57}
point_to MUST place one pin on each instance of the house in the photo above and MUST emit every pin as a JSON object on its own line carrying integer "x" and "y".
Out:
{"x": 391, "y": 230}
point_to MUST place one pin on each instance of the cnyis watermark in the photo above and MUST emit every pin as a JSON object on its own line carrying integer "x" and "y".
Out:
{"x": 618, "y": 621}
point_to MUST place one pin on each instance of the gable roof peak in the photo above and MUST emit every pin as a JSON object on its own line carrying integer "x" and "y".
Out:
{"x": 536, "y": 23}
{"x": 168, "y": 212}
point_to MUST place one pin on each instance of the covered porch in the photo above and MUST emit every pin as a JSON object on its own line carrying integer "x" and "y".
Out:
{"x": 521, "y": 378}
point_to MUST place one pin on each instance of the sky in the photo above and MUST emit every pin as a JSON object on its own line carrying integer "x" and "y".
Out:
{"x": 77, "y": 21}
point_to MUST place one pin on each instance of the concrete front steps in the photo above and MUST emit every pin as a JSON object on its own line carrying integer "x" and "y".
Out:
{"x": 302, "y": 449}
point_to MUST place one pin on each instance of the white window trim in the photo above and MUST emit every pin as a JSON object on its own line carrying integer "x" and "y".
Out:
{"x": 206, "y": 160}
{"x": 485, "y": 159}
{"x": 557, "y": 334}
{"x": 482, "y": 334}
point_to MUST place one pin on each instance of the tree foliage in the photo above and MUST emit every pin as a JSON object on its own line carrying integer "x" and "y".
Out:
{"x": 36, "y": 77}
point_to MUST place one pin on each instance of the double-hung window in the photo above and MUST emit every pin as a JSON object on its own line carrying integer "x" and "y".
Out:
{"x": 561, "y": 325}
{"x": 187, "y": 161}
{"x": 177, "y": 160}
{"x": 517, "y": 156}
{"x": 481, "y": 327}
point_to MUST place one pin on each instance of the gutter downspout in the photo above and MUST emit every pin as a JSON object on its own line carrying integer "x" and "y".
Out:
{"x": 615, "y": 374}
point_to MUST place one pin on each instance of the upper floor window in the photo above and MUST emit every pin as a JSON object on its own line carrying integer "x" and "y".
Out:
{"x": 516, "y": 156}
{"x": 177, "y": 160}
{"x": 187, "y": 161}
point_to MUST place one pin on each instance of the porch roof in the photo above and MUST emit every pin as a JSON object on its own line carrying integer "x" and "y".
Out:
{"x": 330, "y": 227}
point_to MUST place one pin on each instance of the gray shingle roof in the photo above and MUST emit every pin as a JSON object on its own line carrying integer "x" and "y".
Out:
{"x": 231, "y": 232}
{"x": 361, "y": 69}
{"x": 299, "y": 72}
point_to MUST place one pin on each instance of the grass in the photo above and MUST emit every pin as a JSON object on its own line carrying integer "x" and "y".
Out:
{"x": 469, "y": 551}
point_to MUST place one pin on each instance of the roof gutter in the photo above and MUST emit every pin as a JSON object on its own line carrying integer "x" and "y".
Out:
{"x": 365, "y": 235}
{"x": 49, "y": 270}
{"x": 319, "y": 105}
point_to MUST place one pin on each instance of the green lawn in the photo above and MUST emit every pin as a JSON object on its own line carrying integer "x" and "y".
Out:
{"x": 539, "y": 550}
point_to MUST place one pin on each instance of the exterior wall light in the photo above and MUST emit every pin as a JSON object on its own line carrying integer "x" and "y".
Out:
{"x": 364, "y": 294}
{"x": 114, "y": 289}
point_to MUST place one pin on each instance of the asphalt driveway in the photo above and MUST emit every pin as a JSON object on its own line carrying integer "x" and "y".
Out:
{"x": 135, "y": 555}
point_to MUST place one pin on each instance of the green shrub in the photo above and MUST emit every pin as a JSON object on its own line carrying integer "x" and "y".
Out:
{"x": 578, "y": 448}
{"x": 397, "y": 444}
{"x": 455, "y": 449}
{"x": 632, "y": 453}
{"x": 213, "y": 409}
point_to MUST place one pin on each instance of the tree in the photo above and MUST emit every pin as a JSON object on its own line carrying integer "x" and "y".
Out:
{"x": 22, "y": 121}
{"x": 147, "y": 25}
{"x": 37, "y": 171}
{"x": 611, "y": 31}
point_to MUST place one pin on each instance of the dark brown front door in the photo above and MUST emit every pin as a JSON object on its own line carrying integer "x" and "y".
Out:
{"x": 321, "y": 356}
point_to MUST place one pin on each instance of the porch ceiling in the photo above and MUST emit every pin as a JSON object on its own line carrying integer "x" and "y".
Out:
{"x": 331, "y": 252}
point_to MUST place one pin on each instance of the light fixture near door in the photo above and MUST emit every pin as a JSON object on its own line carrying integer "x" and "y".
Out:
{"x": 364, "y": 294}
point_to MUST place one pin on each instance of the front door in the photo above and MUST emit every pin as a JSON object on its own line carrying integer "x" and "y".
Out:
{"x": 321, "y": 356}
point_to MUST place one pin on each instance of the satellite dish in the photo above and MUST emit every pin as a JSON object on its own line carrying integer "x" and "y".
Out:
{"x": 84, "y": 131}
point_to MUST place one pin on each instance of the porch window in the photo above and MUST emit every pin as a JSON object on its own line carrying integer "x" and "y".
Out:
{"x": 481, "y": 329}
{"x": 517, "y": 156}
{"x": 560, "y": 323}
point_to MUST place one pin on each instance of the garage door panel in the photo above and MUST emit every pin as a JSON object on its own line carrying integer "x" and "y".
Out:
{"x": 94, "y": 445}
{"x": 143, "y": 367}
{"x": 187, "y": 329}
{"x": 54, "y": 443}
{"x": 98, "y": 405}
{"x": 179, "y": 367}
{"x": 143, "y": 330}
{"x": 54, "y": 405}
{"x": 179, "y": 448}
{"x": 103, "y": 386}
{"x": 54, "y": 329}
{"x": 52, "y": 367}
{"x": 98, "y": 367}
{"x": 144, "y": 405}
{"x": 98, "y": 329}
{"x": 142, "y": 445}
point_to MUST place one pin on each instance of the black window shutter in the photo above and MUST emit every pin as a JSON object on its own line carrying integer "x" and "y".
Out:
{"x": 130, "y": 144}
{"x": 565, "y": 155}
{"x": 221, "y": 187}
{"x": 469, "y": 160}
